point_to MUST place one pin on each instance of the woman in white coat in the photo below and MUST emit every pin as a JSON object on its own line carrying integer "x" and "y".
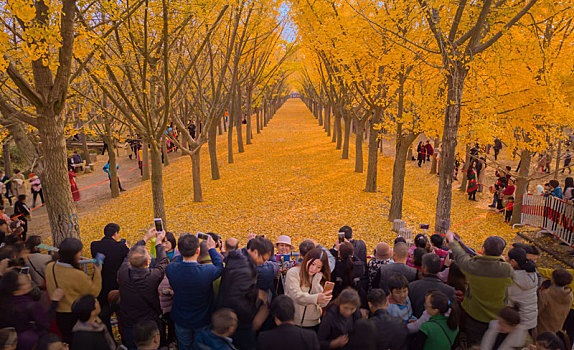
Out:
{"x": 522, "y": 291}
{"x": 304, "y": 284}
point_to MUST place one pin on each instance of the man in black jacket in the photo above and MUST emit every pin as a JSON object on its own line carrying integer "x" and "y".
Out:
{"x": 286, "y": 336}
{"x": 115, "y": 252}
{"x": 238, "y": 289}
{"x": 419, "y": 289}
{"x": 139, "y": 298}
{"x": 391, "y": 332}
{"x": 360, "y": 248}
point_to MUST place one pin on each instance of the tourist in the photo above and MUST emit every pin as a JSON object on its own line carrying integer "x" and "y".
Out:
{"x": 77, "y": 161}
{"x": 36, "y": 189}
{"x": 283, "y": 245}
{"x": 391, "y": 332}
{"x": 90, "y": 333}
{"x": 73, "y": 186}
{"x": 507, "y": 332}
{"x": 191, "y": 282}
{"x": 18, "y": 183}
{"x": 290, "y": 336}
{"x": 308, "y": 244}
{"x": 508, "y": 209}
{"x": 567, "y": 161}
{"x": 23, "y": 212}
{"x": 421, "y": 153}
{"x": 428, "y": 150}
{"x": 430, "y": 281}
{"x": 36, "y": 261}
{"x": 382, "y": 256}
{"x": 488, "y": 277}
{"x": 421, "y": 241}
{"x": 230, "y": 245}
{"x": 106, "y": 169}
{"x": 569, "y": 189}
{"x": 339, "y": 320}
{"x": 115, "y": 252}
{"x": 472, "y": 186}
{"x": 359, "y": 246}
{"x": 524, "y": 287}
{"x": 555, "y": 189}
{"x": 304, "y": 284}
{"x": 147, "y": 335}
{"x": 138, "y": 282}
{"x": 440, "y": 331}
{"x": 554, "y": 302}
{"x": 67, "y": 275}
{"x": 5, "y": 179}
{"x": 399, "y": 302}
{"x": 400, "y": 256}
{"x": 497, "y": 147}
{"x": 349, "y": 272}
{"x": 238, "y": 289}
{"x": 3, "y": 215}
{"x": 20, "y": 309}
{"x": 218, "y": 336}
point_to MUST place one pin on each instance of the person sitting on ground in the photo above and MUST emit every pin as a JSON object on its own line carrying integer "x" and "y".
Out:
{"x": 304, "y": 284}
{"x": 223, "y": 325}
{"x": 382, "y": 256}
{"x": 20, "y": 309}
{"x": 338, "y": 324}
{"x": 399, "y": 303}
{"x": 89, "y": 331}
{"x": 191, "y": 282}
{"x": 391, "y": 332}
{"x": 146, "y": 335}
{"x": 138, "y": 282}
{"x": 419, "y": 289}
{"x": 488, "y": 278}
{"x": 506, "y": 332}
{"x": 440, "y": 331}
{"x": 554, "y": 302}
{"x": 523, "y": 290}
{"x": 37, "y": 261}
{"x": 292, "y": 337}
{"x": 239, "y": 292}
{"x": 66, "y": 274}
{"x": 115, "y": 252}
{"x": 359, "y": 246}
{"x": 400, "y": 256}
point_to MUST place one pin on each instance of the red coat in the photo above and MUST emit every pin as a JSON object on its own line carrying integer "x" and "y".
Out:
{"x": 430, "y": 150}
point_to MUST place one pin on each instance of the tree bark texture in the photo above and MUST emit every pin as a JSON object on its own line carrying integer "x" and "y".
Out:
{"x": 371, "y": 185}
{"x": 359, "y": 146}
{"x": 402, "y": 145}
{"x": 196, "y": 176}
{"x": 347, "y": 136}
{"x": 157, "y": 182}
{"x": 212, "y": 146}
{"x": 145, "y": 161}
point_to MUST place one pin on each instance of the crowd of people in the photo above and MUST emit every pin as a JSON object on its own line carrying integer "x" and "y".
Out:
{"x": 203, "y": 292}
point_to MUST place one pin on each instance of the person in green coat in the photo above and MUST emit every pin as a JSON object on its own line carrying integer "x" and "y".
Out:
{"x": 440, "y": 331}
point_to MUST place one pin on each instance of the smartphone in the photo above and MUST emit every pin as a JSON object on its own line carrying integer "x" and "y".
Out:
{"x": 203, "y": 236}
{"x": 341, "y": 237}
{"x": 99, "y": 260}
{"x": 328, "y": 287}
{"x": 25, "y": 270}
{"x": 158, "y": 225}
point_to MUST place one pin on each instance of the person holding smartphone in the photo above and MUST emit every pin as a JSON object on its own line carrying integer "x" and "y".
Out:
{"x": 304, "y": 284}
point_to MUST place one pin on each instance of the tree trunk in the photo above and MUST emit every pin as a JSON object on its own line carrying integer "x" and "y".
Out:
{"x": 157, "y": 182}
{"x": 320, "y": 112}
{"x": 164, "y": 151}
{"x": 196, "y": 175}
{"x": 335, "y": 123}
{"x": 248, "y": 132}
{"x": 521, "y": 186}
{"x": 434, "y": 160}
{"x": 257, "y": 116}
{"x": 371, "y": 185}
{"x": 402, "y": 146}
{"x": 212, "y": 146}
{"x": 114, "y": 185}
{"x": 230, "y": 133}
{"x": 558, "y": 151}
{"x": 238, "y": 121}
{"x": 359, "y": 146}
{"x": 55, "y": 181}
{"x": 347, "y": 137}
{"x": 455, "y": 83}
{"x": 6, "y": 155}
{"x": 145, "y": 161}
{"x": 328, "y": 120}
{"x": 464, "y": 170}
{"x": 27, "y": 148}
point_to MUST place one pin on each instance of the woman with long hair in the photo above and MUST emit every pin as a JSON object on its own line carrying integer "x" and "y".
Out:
{"x": 472, "y": 182}
{"x": 67, "y": 275}
{"x": 349, "y": 272}
{"x": 304, "y": 284}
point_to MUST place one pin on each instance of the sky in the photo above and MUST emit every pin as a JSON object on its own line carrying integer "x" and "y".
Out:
{"x": 290, "y": 31}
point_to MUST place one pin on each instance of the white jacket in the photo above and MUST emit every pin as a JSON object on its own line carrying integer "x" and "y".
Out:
{"x": 522, "y": 291}
{"x": 304, "y": 298}
{"x": 514, "y": 340}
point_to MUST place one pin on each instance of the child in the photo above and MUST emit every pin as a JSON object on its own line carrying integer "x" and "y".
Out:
{"x": 505, "y": 332}
{"x": 508, "y": 209}
{"x": 399, "y": 302}
{"x": 440, "y": 331}
{"x": 554, "y": 302}
{"x": 340, "y": 320}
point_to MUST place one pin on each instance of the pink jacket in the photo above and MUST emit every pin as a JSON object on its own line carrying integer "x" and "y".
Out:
{"x": 165, "y": 300}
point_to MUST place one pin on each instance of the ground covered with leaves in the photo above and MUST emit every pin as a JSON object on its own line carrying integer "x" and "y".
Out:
{"x": 290, "y": 181}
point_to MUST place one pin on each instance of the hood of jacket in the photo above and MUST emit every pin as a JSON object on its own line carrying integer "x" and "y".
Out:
{"x": 561, "y": 295}
{"x": 525, "y": 280}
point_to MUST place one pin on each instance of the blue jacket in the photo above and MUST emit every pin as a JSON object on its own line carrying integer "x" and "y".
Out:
{"x": 193, "y": 299}
{"x": 206, "y": 340}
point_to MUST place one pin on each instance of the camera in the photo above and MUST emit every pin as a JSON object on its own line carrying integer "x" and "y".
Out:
{"x": 203, "y": 236}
